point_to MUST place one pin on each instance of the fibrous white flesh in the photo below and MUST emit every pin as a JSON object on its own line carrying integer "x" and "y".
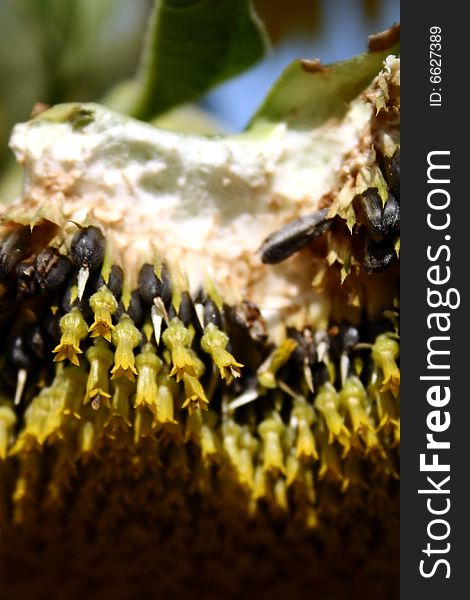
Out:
{"x": 203, "y": 204}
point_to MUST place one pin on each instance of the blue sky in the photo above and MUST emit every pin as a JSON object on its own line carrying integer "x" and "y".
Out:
{"x": 343, "y": 34}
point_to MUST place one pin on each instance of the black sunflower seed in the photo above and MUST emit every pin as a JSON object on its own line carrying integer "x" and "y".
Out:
{"x": 13, "y": 248}
{"x": 20, "y": 355}
{"x": 51, "y": 324}
{"x": 380, "y": 220}
{"x": 135, "y": 310}
{"x": 212, "y": 313}
{"x": 26, "y": 284}
{"x": 87, "y": 248}
{"x": 377, "y": 256}
{"x": 391, "y": 171}
{"x": 151, "y": 286}
{"x": 36, "y": 342}
{"x": 51, "y": 269}
{"x": 114, "y": 284}
{"x": 345, "y": 340}
{"x": 292, "y": 237}
{"x": 186, "y": 310}
{"x": 115, "y": 280}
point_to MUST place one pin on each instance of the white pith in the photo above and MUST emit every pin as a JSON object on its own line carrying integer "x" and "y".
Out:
{"x": 202, "y": 204}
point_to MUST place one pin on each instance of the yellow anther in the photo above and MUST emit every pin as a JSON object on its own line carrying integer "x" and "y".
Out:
{"x": 193, "y": 427}
{"x": 329, "y": 461}
{"x": 268, "y": 370}
{"x": 43, "y": 416}
{"x": 300, "y": 477}
{"x": 125, "y": 337}
{"x": 353, "y": 397}
{"x": 386, "y": 405}
{"x": 177, "y": 338}
{"x": 7, "y": 422}
{"x": 261, "y": 487}
{"x": 214, "y": 342}
{"x": 149, "y": 365}
{"x": 304, "y": 414}
{"x": 100, "y": 358}
{"x": 53, "y": 403}
{"x": 120, "y": 405}
{"x": 396, "y": 435}
{"x": 387, "y": 410}
{"x": 143, "y": 424}
{"x": 230, "y": 434}
{"x": 385, "y": 351}
{"x": 200, "y": 427}
{"x": 293, "y": 466}
{"x": 104, "y": 305}
{"x": 74, "y": 328}
{"x": 371, "y": 441}
{"x": 280, "y": 495}
{"x": 270, "y": 431}
{"x": 327, "y": 403}
{"x": 248, "y": 446}
{"x": 86, "y": 438}
{"x": 194, "y": 393}
{"x": 75, "y": 379}
{"x": 165, "y": 399}
{"x": 20, "y": 444}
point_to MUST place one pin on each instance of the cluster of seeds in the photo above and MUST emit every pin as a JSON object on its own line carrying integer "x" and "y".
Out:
{"x": 380, "y": 221}
{"x": 377, "y": 226}
{"x": 187, "y": 385}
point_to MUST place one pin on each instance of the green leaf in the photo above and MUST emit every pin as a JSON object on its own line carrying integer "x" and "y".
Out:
{"x": 308, "y": 93}
{"x": 192, "y": 46}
